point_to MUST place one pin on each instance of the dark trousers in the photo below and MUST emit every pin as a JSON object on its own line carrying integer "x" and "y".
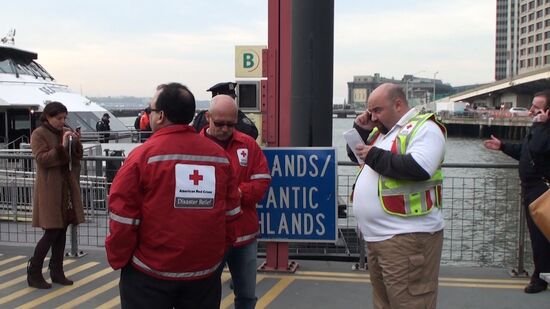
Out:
{"x": 139, "y": 290}
{"x": 52, "y": 238}
{"x": 539, "y": 243}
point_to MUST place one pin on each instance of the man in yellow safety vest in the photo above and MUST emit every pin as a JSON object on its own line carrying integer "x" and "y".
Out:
{"x": 397, "y": 199}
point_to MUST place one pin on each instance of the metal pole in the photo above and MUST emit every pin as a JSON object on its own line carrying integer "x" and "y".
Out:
{"x": 520, "y": 270}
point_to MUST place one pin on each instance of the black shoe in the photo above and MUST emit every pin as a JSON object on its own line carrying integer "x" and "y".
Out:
{"x": 533, "y": 288}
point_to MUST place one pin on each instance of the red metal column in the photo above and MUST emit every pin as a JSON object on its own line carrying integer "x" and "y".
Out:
{"x": 276, "y": 106}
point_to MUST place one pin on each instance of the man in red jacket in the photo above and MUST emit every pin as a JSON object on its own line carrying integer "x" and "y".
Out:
{"x": 250, "y": 169}
{"x": 169, "y": 208}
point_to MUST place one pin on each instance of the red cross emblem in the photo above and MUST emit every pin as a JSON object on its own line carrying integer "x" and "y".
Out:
{"x": 243, "y": 153}
{"x": 195, "y": 177}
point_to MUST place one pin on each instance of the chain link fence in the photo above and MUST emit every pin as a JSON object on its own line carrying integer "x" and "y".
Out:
{"x": 484, "y": 224}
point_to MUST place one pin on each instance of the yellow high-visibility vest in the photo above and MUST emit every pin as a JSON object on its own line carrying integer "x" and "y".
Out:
{"x": 408, "y": 198}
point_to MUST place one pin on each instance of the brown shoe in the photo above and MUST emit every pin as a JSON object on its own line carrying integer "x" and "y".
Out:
{"x": 57, "y": 274}
{"x": 34, "y": 276}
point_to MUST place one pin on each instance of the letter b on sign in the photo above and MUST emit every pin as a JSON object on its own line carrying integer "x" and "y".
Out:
{"x": 248, "y": 60}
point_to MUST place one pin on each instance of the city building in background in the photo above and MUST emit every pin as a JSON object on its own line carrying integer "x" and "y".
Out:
{"x": 419, "y": 90}
{"x": 522, "y": 37}
{"x": 506, "y": 49}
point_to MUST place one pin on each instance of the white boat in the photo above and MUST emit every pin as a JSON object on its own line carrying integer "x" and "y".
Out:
{"x": 25, "y": 89}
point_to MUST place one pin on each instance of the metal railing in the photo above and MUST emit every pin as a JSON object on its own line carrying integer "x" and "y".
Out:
{"x": 484, "y": 223}
{"x": 20, "y": 139}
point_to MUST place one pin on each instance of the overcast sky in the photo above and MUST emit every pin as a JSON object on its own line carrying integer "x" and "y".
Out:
{"x": 123, "y": 47}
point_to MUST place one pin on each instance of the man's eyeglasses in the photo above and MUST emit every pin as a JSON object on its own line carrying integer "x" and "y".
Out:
{"x": 148, "y": 110}
{"x": 220, "y": 124}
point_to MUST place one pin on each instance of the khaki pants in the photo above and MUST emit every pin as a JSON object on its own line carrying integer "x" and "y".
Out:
{"x": 404, "y": 270}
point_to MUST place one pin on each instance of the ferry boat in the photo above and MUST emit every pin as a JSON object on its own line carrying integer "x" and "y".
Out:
{"x": 25, "y": 89}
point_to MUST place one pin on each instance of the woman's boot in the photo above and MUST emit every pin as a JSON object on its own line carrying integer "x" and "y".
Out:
{"x": 57, "y": 274}
{"x": 56, "y": 263}
{"x": 34, "y": 275}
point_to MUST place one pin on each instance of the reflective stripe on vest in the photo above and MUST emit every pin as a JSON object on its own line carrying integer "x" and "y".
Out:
{"x": 260, "y": 176}
{"x": 172, "y": 157}
{"x": 244, "y": 238}
{"x": 234, "y": 211}
{"x": 172, "y": 275}
{"x": 373, "y": 136}
{"x": 123, "y": 220}
{"x": 410, "y": 198}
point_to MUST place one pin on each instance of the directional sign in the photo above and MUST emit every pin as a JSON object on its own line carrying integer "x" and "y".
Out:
{"x": 248, "y": 61}
{"x": 301, "y": 203}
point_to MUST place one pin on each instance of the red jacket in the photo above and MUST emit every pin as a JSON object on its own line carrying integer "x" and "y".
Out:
{"x": 144, "y": 124}
{"x": 250, "y": 167}
{"x": 169, "y": 204}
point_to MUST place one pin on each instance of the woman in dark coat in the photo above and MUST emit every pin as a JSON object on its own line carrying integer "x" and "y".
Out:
{"x": 56, "y": 191}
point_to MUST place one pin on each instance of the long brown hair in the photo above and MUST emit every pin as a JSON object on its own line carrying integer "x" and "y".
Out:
{"x": 52, "y": 109}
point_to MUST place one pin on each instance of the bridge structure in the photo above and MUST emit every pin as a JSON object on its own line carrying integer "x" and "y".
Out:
{"x": 516, "y": 91}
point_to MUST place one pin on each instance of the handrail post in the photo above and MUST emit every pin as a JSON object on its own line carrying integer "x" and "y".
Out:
{"x": 362, "y": 265}
{"x": 74, "y": 253}
{"x": 520, "y": 270}
{"x": 13, "y": 196}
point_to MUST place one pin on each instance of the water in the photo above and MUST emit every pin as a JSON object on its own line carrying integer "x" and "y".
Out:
{"x": 480, "y": 204}
{"x": 458, "y": 149}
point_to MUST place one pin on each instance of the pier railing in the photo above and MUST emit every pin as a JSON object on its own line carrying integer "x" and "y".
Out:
{"x": 486, "y": 117}
{"x": 484, "y": 223}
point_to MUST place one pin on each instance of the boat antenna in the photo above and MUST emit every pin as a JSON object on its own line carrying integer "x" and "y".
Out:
{"x": 9, "y": 38}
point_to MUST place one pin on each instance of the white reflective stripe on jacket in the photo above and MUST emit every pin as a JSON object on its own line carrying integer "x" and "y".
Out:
{"x": 174, "y": 275}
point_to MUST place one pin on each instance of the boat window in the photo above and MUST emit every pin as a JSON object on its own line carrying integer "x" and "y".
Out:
{"x": 36, "y": 66}
{"x": 5, "y": 66}
{"x": 23, "y": 67}
{"x": 74, "y": 120}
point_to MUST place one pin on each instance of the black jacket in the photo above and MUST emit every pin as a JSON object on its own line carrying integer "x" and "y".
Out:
{"x": 534, "y": 159}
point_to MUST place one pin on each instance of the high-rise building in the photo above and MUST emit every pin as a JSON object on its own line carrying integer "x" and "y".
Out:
{"x": 506, "y": 42}
{"x": 522, "y": 37}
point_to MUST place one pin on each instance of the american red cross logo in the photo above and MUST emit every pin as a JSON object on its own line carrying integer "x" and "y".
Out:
{"x": 195, "y": 177}
{"x": 243, "y": 153}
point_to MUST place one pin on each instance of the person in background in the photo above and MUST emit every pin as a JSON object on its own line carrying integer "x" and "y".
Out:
{"x": 244, "y": 124}
{"x": 138, "y": 120}
{"x": 253, "y": 177}
{"x": 144, "y": 125}
{"x": 397, "y": 199}
{"x": 103, "y": 126}
{"x": 57, "y": 151}
{"x": 169, "y": 209}
{"x": 534, "y": 172}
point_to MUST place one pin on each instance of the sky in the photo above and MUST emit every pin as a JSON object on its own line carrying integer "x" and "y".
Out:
{"x": 126, "y": 48}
